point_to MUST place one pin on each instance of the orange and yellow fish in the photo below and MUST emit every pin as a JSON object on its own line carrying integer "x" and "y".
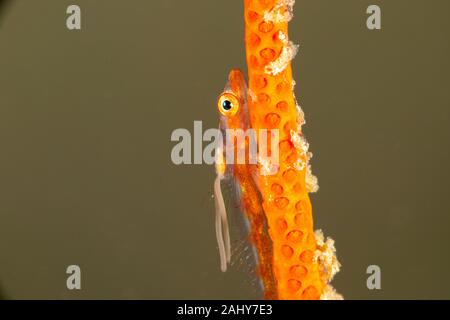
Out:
{"x": 293, "y": 260}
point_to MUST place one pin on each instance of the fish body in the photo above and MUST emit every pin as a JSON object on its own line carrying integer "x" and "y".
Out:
{"x": 233, "y": 123}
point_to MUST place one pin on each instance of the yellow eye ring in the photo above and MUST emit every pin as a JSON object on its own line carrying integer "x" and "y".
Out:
{"x": 228, "y": 104}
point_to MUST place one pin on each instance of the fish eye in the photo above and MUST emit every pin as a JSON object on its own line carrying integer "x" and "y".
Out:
{"x": 228, "y": 104}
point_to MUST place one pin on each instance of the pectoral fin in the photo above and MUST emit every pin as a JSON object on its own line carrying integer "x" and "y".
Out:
{"x": 222, "y": 229}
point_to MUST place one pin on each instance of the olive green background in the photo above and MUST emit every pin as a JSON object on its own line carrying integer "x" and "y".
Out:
{"x": 86, "y": 117}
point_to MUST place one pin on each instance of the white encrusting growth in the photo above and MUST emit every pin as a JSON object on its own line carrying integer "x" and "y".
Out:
{"x": 283, "y": 11}
{"x": 325, "y": 256}
{"x": 312, "y": 183}
{"x": 301, "y": 144}
{"x": 330, "y": 294}
{"x": 288, "y": 53}
{"x": 279, "y": 65}
{"x": 300, "y": 117}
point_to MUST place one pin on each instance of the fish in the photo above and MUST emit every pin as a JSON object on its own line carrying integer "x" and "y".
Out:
{"x": 234, "y": 119}
{"x": 294, "y": 262}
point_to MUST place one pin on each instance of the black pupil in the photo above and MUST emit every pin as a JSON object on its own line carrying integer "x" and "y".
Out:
{"x": 227, "y": 105}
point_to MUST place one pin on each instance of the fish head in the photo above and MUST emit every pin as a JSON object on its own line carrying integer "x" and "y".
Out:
{"x": 232, "y": 103}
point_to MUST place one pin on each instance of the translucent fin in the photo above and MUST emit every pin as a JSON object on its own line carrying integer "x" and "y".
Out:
{"x": 222, "y": 229}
